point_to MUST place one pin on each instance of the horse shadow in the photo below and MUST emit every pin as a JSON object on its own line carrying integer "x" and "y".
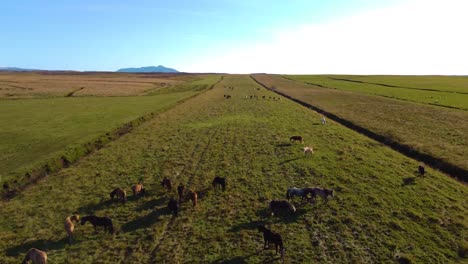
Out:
{"x": 283, "y": 145}
{"x": 246, "y": 226}
{"x": 145, "y": 221}
{"x": 233, "y": 260}
{"x": 409, "y": 181}
{"x": 281, "y": 218}
{"x": 92, "y": 207}
{"x": 152, "y": 203}
{"x": 289, "y": 160}
{"x": 41, "y": 244}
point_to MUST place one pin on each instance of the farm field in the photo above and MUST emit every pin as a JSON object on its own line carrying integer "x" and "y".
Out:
{"x": 434, "y": 90}
{"x": 437, "y": 131}
{"x": 63, "y": 84}
{"x": 381, "y": 211}
{"x": 36, "y": 130}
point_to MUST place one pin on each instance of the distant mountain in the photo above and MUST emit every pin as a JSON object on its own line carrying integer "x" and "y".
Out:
{"x": 160, "y": 68}
{"x": 14, "y": 69}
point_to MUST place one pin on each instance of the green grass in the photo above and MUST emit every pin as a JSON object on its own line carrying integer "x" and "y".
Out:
{"x": 36, "y": 130}
{"x": 449, "y": 89}
{"x": 439, "y": 132}
{"x": 377, "y": 213}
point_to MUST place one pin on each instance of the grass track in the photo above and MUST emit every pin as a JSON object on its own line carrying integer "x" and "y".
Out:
{"x": 374, "y": 216}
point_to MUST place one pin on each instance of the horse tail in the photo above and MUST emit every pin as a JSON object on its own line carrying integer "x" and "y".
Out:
{"x": 293, "y": 209}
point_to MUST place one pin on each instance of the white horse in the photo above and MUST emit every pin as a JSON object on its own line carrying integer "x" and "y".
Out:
{"x": 324, "y": 121}
{"x": 308, "y": 150}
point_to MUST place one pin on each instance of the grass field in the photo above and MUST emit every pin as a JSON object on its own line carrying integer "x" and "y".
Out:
{"x": 62, "y": 84}
{"x": 440, "y": 132}
{"x": 380, "y": 212}
{"x": 441, "y": 91}
{"x": 40, "y": 129}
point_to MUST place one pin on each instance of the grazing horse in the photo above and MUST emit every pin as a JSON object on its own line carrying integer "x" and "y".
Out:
{"x": 271, "y": 237}
{"x": 308, "y": 150}
{"x": 291, "y": 192}
{"x": 296, "y": 138}
{"x": 70, "y": 227}
{"x": 36, "y": 256}
{"x": 218, "y": 181}
{"x": 99, "y": 221}
{"x": 167, "y": 183}
{"x": 180, "y": 191}
{"x": 281, "y": 206}
{"x": 173, "y": 207}
{"x": 421, "y": 170}
{"x": 324, "y": 193}
{"x": 138, "y": 189}
{"x": 323, "y": 120}
{"x": 120, "y": 193}
{"x": 193, "y": 196}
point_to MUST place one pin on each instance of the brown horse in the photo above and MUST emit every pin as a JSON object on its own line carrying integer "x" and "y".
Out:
{"x": 173, "y": 207}
{"x": 138, "y": 189}
{"x": 271, "y": 237}
{"x": 120, "y": 193}
{"x": 36, "y": 256}
{"x": 167, "y": 183}
{"x": 296, "y": 138}
{"x": 180, "y": 191}
{"x": 282, "y": 207}
{"x": 70, "y": 227}
{"x": 193, "y": 196}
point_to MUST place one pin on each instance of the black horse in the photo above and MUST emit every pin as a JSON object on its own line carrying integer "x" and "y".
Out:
{"x": 218, "y": 181}
{"x": 173, "y": 207}
{"x": 180, "y": 191}
{"x": 271, "y": 237}
{"x": 421, "y": 170}
{"x": 99, "y": 221}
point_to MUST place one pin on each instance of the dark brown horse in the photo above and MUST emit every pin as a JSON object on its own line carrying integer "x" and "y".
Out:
{"x": 138, "y": 189}
{"x": 296, "y": 138}
{"x": 421, "y": 170}
{"x": 173, "y": 207}
{"x": 120, "y": 193}
{"x": 282, "y": 207}
{"x": 219, "y": 182}
{"x": 180, "y": 191}
{"x": 96, "y": 221}
{"x": 36, "y": 256}
{"x": 167, "y": 183}
{"x": 271, "y": 237}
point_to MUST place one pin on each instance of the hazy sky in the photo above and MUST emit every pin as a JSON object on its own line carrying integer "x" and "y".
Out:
{"x": 238, "y": 36}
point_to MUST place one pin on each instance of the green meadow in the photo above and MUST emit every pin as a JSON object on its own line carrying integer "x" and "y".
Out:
{"x": 382, "y": 211}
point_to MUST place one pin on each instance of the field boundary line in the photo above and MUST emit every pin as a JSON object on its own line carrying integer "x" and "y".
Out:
{"x": 380, "y": 95}
{"x": 434, "y": 162}
{"x": 74, "y": 154}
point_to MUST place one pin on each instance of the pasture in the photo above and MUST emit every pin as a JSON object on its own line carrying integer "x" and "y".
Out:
{"x": 382, "y": 212}
{"x": 41, "y": 129}
{"x": 437, "y": 131}
{"x": 434, "y": 90}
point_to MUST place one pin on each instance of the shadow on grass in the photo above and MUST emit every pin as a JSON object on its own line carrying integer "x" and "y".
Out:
{"x": 282, "y": 218}
{"x": 233, "y": 260}
{"x": 283, "y": 145}
{"x": 145, "y": 221}
{"x": 92, "y": 207}
{"x": 41, "y": 244}
{"x": 152, "y": 203}
{"x": 252, "y": 225}
{"x": 289, "y": 160}
{"x": 409, "y": 181}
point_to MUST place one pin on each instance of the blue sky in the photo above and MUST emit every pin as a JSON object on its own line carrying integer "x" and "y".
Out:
{"x": 197, "y": 36}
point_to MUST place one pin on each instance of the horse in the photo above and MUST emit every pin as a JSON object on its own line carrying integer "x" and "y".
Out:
{"x": 218, "y": 181}
{"x": 36, "y": 256}
{"x": 296, "y": 138}
{"x": 291, "y": 192}
{"x": 173, "y": 207}
{"x": 138, "y": 189}
{"x": 271, "y": 237}
{"x": 193, "y": 196}
{"x": 308, "y": 150}
{"x": 167, "y": 183}
{"x": 421, "y": 170}
{"x": 120, "y": 193}
{"x": 324, "y": 193}
{"x": 180, "y": 191}
{"x": 281, "y": 206}
{"x": 70, "y": 227}
{"x": 99, "y": 221}
{"x": 323, "y": 120}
